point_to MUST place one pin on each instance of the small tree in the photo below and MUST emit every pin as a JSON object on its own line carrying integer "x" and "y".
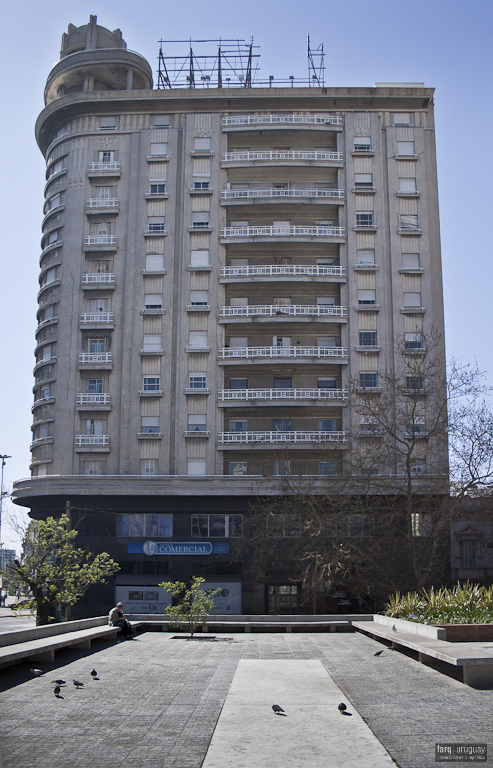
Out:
{"x": 192, "y": 605}
{"x": 52, "y": 570}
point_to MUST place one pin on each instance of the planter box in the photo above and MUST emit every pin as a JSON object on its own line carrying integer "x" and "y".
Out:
{"x": 467, "y": 633}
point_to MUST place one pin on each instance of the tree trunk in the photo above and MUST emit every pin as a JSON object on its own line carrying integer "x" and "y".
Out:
{"x": 42, "y": 614}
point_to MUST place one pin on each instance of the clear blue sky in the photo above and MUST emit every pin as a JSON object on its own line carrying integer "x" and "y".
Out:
{"x": 446, "y": 44}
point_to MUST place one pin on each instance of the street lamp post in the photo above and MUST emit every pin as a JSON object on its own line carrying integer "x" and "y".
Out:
{"x": 2, "y": 494}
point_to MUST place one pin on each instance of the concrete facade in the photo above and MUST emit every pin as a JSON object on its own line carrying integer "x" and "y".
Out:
{"x": 211, "y": 261}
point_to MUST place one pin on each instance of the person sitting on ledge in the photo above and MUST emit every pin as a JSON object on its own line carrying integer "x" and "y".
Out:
{"x": 117, "y": 618}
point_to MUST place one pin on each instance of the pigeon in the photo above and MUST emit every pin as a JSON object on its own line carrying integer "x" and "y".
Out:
{"x": 277, "y": 709}
{"x": 394, "y": 628}
{"x": 56, "y": 690}
{"x": 36, "y": 672}
{"x": 342, "y": 707}
{"x": 78, "y": 684}
{"x": 59, "y": 681}
{"x": 378, "y": 653}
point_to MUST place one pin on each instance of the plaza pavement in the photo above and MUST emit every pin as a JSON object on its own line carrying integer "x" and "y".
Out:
{"x": 158, "y": 700}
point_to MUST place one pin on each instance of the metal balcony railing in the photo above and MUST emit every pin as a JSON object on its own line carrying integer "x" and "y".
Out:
{"x": 102, "y": 202}
{"x": 90, "y": 278}
{"x": 287, "y": 231}
{"x": 109, "y": 166}
{"x": 302, "y": 393}
{"x": 272, "y": 118}
{"x": 95, "y": 357}
{"x": 100, "y": 240}
{"x": 316, "y": 436}
{"x": 90, "y": 398}
{"x": 277, "y": 270}
{"x": 283, "y": 154}
{"x": 229, "y": 353}
{"x": 268, "y": 192}
{"x": 96, "y": 317}
{"x": 92, "y": 440}
{"x": 293, "y": 310}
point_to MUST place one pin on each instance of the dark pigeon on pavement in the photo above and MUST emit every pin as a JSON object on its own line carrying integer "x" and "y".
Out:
{"x": 378, "y": 653}
{"x": 342, "y": 707}
{"x": 78, "y": 684}
{"x": 277, "y": 709}
{"x": 59, "y": 681}
{"x": 94, "y": 675}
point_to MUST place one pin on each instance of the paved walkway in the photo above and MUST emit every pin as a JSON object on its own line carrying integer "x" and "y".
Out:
{"x": 157, "y": 701}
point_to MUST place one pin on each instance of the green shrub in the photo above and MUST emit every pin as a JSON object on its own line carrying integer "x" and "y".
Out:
{"x": 463, "y": 604}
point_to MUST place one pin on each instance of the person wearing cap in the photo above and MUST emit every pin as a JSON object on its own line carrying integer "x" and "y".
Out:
{"x": 117, "y": 618}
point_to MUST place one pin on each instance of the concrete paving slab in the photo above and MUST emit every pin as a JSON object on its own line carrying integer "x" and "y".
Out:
{"x": 312, "y": 732}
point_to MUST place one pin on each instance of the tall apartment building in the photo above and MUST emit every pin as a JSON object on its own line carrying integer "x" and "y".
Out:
{"x": 217, "y": 265}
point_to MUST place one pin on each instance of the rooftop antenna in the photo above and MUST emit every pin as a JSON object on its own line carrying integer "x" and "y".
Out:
{"x": 163, "y": 80}
{"x": 316, "y": 65}
{"x": 248, "y": 78}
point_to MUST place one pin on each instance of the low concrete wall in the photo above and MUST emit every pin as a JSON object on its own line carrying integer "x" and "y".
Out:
{"x": 244, "y": 618}
{"x": 414, "y": 627}
{"x": 50, "y": 630}
{"x": 468, "y": 633}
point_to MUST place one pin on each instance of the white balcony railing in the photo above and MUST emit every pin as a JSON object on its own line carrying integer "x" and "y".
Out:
{"x": 302, "y": 393}
{"x": 287, "y": 231}
{"x": 102, "y": 202}
{"x": 89, "y": 398}
{"x": 230, "y": 353}
{"x": 293, "y": 310}
{"x": 92, "y": 440}
{"x": 268, "y": 192}
{"x": 317, "y": 436}
{"x": 103, "y": 358}
{"x": 96, "y": 317}
{"x": 109, "y": 166}
{"x": 90, "y": 278}
{"x": 274, "y": 155}
{"x": 271, "y": 119}
{"x": 100, "y": 240}
{"x": 279, "y": 270}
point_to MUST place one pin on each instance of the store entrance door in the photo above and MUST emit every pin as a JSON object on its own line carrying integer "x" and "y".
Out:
{"x": 282, "y": 599}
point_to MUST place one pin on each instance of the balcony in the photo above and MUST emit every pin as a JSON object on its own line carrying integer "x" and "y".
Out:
{"x": 97, "y": 204}
{"x": 100, "y": 241}
{"x": 282, "y": 156}
{"x": 292, "y": 310}
{"x": 274, "y": 193}
{"x": 99, "y": 440}
{"x": 110, "y": 168}
{"x": 89, "y": 398}
{"x": 98, "y": 318}
{"x": 316, "y": 436}
{"x": 286, "y": 231}
{"x": 237, "y": 353}
{"x": 286, "y": 119}
{"x": 95, "y": 358}
{"x": 227, "y": 395}
{"x": 283, "y": 270}
{"x": 98, "y": 278}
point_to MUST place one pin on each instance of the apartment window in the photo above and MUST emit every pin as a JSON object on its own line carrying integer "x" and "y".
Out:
{"x": 148, "y": 467}
{"x": 367, "y": 338}
{"x": 151, "y": 383}
{"x": 407, "y": 186}
{"x": 196, "y": 467}
{"x": 363, "y": 180}
{"x": 362, "y": 144}
{"x": 405, "y": 147}
{"x": 238, "y": 426}
{"x": 159, "y": 150}
{"x": 197, "y": 381}
{"x": 410, "y": 261}
{"x": 48, "y": 313}
{"x": 282, "y": 341}
{"x": 42, "y": 431}
{"x": 97, "y": 346}
{"x": 418, "y": 467}
{"x": 368, "y": 380}
{"x": 327, "y": 468}
{"x": 94, "y": 468}
{"x": 282, "y": 383}
{"x": 53, "y": 202}
{"x": 150, "y": 425}
{"x": 199, "y": 298}
{"x": 329, "y": 383}
{"x": 283, "y": 526}
{"x": 44, "y": 393}
{"x": 367, "y": 296}
{"x": 326, "y": 301}
{"x": 282, "y": 425}
{"x": 154, "y": 262}
{"x": 157, "y": 189}
{"x": 106, "y": 157}
{"x": 200, "y": 144}
{"x": 415, "y": 382}
{"x": 408, "y": 221}
{"x": 402, "y": 118}
{"x": 155, "y": 224}
{"x": 368, "y": 426}
{"x": 197, "y": 423}
{"x": 365, "y": 258}
{"x": 412, "y": 299}
{"x": 416, "y": 426}
{"x": 153, "y": 301}
{"x": 144, "y": 525}
{"x": 199, "y": 259}
{"x": 327, "y": 341}
{"x": 200, "y": 219}
{"x": 197, "y": 339}
{"x": 153, "y": 342}
{"x": 107, "y": 123}
{"x": 53, "y": 237}
{"x": 364, "y": 220}
{"x": 238, "y": 383}
{"x": 99, "y": 305}
{"x": 94, "y": 427}
{"x": 50, "y": 276}
{"x": 217, "y": 526}
{"x": 46, "y": 352}
{"x": 201, "y": 183}
{"x": 56, "y": 168}
{"x": 104, "y": 193}
{"x": 282, "y": 468}
{"x": 160, "y": 121}
{"x": 327, "y": 425}
{"x": 238, "y": 468}
{"x": 468, "y": 553}
{"x": 413, "y": 341}
{"x": 95, "y": 386}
